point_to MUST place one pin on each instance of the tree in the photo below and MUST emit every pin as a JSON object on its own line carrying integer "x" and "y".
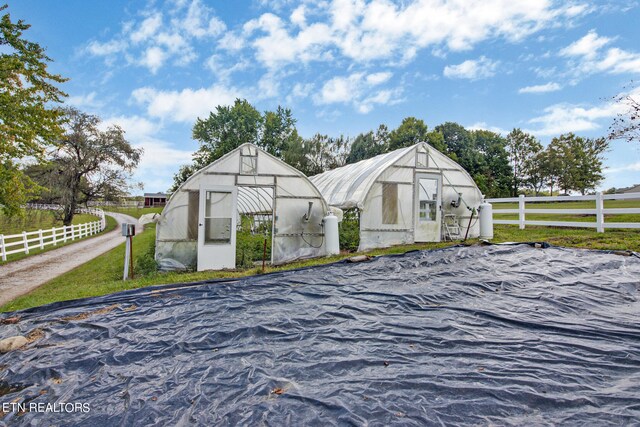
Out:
{"x": 367, "y": 145}
{"x": 577, "y": 162}
{"x": 626, "y": 125}
{"x": 28, "y": 120}
{"x": 225, "y": 130}
{"x": 88, "y": 163}
{"x": 522, "y": 148}
{"x": 278, "y": 132}
{"x": 495, "y": 166}
{"x": 410, "y": 132}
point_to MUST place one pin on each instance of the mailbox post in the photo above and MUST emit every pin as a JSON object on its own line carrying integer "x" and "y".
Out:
{"x": 128, "y": 231}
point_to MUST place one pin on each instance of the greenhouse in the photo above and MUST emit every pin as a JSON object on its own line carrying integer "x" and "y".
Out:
{"x": 240, "y": 209}
{"x": 413, "y": 194}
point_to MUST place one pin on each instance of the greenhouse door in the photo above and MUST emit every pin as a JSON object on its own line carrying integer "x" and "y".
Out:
{"x": 217, "y": 228}
{"x": 428, "y": 195}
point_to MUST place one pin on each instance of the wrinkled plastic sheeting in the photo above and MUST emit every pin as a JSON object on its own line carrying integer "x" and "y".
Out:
{"x": 507, "y": 335}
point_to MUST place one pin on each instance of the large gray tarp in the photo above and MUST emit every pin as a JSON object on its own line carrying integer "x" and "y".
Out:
{"x": 508, "y": 335}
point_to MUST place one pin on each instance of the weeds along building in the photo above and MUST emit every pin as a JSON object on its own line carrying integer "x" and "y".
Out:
{"x": 242, "y": 199}
{"x": 414, "y": 194}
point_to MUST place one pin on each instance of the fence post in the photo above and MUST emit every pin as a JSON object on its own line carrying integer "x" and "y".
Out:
{"x": 64, "y": 233}
{"x": 2, "y": 248}
{"x": 521, "y": 211}
{"x": 55, "y": 237}
{"x": 41, "y": 239}
{"x": 73, "y": 232}
{"x": 599, "y": 212}
{"x": 26, "y": 244}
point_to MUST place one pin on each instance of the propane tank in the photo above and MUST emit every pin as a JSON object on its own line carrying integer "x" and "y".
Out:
{"x": 331, "y": 234}
{"x": 486, "y": 220}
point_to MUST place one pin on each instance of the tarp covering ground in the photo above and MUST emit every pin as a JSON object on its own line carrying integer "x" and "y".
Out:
{"x": 506, "y": 335}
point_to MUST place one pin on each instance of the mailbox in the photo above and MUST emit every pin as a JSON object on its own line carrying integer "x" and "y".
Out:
{"x": 128, "y": 230}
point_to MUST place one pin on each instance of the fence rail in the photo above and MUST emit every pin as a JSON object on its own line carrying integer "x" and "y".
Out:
{"x": 27, "y": 240}
{"x": 600, "y": 211}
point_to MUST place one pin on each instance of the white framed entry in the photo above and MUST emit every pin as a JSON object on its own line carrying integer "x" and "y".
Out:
{"x": 428, "y": 207}
{"x": 217, "y": 227}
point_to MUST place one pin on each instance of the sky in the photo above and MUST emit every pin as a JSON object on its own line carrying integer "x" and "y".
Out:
{"x": 344, "y": 66}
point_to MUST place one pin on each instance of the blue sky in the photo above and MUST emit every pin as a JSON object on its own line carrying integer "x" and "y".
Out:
{"x": 344, "y": 66}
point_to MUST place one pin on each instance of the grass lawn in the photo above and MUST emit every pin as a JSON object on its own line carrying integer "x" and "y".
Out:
{"x": 103, "y": 275}
{"x": 134, "y": 212}
{"x": 34, "y": 220}
{"x": 586, "y": 204}
{"x": 40, "y": 220}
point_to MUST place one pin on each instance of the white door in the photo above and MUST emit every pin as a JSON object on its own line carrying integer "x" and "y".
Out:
{"x": 428, "y": 207}
{"x": 217, "y": 228}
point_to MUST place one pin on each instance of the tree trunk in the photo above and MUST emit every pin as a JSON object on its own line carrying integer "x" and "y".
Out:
{"x": 72, "y": 204}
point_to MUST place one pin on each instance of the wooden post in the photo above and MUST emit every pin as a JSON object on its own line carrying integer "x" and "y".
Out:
{"x": 2, "y": 248}
{"x": 64, "y": 233}
{"x": 26, "y": 244}
{"x": 55, "y": 237}
{"x": 41, "y": 239}
{"x": 521, "y": 211}
{"x": 599, "y": 212}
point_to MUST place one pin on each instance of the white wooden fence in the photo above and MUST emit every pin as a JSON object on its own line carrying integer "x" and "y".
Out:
{"x": 600, "y": 211}
{"x": 23, "y": 242}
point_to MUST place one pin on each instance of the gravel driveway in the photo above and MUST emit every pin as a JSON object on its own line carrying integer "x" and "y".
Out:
{"x": 22, "y": 276}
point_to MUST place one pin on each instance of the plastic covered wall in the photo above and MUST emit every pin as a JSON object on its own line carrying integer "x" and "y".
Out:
{"x": 251, "y": 168}
{"x": 361, "y": 185}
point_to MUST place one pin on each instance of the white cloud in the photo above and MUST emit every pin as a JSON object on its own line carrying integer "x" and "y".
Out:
{"x": 363, "y": 31}
{"x": 631, "y": 167}
{"x": 357, "y": 89}
{"x": 164, "y": 34}
{"x": 159, "y": 160}
{"x": 484, "y": 126}
{"x": 563, "y": 118}
{"x": 111, "y": 47}
{"x": 147, "y": 28}
{"x": 185, "y": 105}
{"x": 84, "y": 101}
{"x": 588, "y": 56}
{"x": 471, "y": 69}
{"x": 153, "y": 58}
{"x": 548, "y": 87}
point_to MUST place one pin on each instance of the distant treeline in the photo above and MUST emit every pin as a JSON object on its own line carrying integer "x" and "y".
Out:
{"x": 501, "y": 166}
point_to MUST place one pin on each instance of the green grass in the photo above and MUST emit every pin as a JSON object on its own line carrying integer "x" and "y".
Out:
{"x": 571, "y": 205}
{"x": 103, "y": 275}
{"x": 34, "y": 220}
{"x": 110, "y": 225}
{"x": 134, "y": 212}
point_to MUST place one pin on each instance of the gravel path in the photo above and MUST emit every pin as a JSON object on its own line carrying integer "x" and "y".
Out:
{"x": 22, "y": 276}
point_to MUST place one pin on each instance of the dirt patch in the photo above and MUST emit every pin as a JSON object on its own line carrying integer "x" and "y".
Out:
{"x": 87, "y": 314}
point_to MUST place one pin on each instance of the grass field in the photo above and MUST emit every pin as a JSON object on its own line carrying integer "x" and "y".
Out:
{"x": 103, "y": 275}
{"x": 34, "y": 220}
{"x": 571, "y": 205}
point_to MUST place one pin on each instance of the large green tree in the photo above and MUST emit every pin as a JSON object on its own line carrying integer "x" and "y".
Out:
{"x": 523, "y": 149}
{"x": 87, "y": 164}
{"x": 577, "y": 162}
{"x": 230, "y": 126}
{"x": 410, "y": 132}
{"x": 28, "y": 120}
{"x": 370, "y": 144}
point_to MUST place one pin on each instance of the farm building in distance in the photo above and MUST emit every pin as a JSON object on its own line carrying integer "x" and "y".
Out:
{"x": 154, "y": 199}
{"x": 413, "y": 194}
{"x": 246, "y": 191}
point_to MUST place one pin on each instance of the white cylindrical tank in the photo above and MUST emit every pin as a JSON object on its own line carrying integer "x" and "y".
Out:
{"x": 331, "y": 234}
{"x": 485, "y": 212}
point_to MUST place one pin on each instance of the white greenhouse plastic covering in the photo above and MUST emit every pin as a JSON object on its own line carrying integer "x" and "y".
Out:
{"x": 262, "y": 186}
{"x": 409, "y": 195}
